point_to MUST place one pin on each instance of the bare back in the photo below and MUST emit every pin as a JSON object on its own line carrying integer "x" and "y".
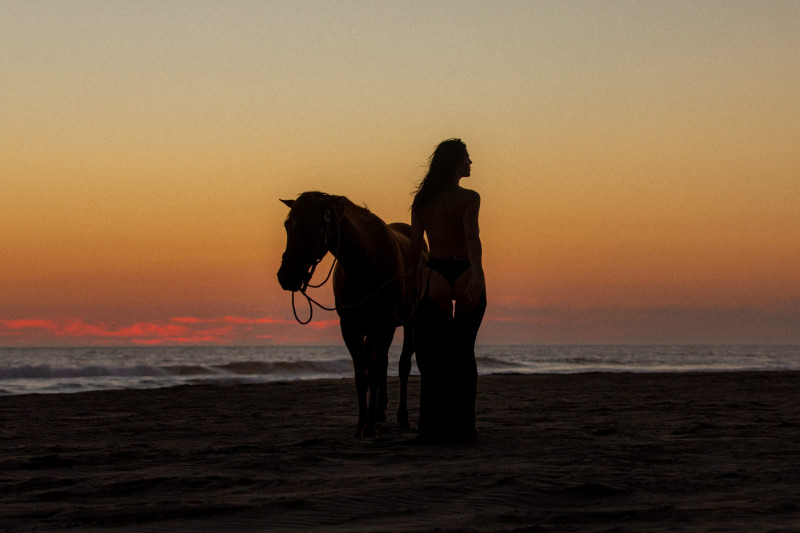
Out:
{"x": 451, "y": 225}
{"x": 444, "y": 223}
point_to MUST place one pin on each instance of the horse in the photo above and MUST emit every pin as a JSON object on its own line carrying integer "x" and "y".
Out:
{"x": 371, "y": 292}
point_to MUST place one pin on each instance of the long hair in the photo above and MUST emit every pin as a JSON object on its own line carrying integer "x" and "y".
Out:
{"x": 443, "y": 163}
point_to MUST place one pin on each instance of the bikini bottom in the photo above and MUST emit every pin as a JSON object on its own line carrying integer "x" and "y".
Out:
{"x": 450, "y": 268}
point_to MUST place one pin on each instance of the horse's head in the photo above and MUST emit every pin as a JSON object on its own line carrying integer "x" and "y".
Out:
{"x": 308, "y": 232}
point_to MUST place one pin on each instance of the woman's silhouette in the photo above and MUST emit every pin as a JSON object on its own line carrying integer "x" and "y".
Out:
{"x": 454, "y": 297}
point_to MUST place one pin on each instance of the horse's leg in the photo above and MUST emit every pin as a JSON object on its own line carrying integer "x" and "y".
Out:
{"x": 405, "y": 370}
{"x": 380, "y": 361}
{"x": 377, "y": 349}
{"x": 382, "y": 346}
{"x": 372, "y": 397}
{"x": 354, "y": 340}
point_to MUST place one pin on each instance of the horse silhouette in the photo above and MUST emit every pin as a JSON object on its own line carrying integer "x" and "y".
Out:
{"x": 372, "y": 294}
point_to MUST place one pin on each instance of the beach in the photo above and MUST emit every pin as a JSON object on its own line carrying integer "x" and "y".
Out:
{"x": 555, "y": 452}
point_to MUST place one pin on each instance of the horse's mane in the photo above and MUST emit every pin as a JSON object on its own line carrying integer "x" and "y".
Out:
{"x": 358, "y": 209}
{"x": 319, "y": 196}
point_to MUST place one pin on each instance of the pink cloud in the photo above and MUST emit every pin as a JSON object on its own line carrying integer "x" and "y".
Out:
{"x": 228, "y": 329}
{"x": 25, "y": 323}
{"x": 323, "y": 324}
{"x": 229, "y": 319}
{"x": 106, "y": 332}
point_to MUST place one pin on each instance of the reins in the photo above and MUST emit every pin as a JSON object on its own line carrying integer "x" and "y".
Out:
{"x": 311, "y": 301}
{"x": 308, "y": 284}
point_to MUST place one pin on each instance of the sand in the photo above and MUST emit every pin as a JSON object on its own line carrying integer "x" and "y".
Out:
{"x": 584, "y": 452}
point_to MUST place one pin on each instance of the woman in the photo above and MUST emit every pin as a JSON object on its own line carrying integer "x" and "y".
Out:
{"x": 454, "y": 297}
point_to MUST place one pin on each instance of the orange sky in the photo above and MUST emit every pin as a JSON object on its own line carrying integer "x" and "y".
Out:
{"x": 638, "y": 163}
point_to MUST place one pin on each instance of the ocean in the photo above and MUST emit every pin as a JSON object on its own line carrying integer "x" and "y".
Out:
{"x": 65, "y": 370}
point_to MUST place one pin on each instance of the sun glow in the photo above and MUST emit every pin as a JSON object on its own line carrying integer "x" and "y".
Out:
{"x": 637, "y": 162}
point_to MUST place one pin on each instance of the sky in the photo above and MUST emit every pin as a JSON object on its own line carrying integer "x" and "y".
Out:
{"x": 638, "y": 162}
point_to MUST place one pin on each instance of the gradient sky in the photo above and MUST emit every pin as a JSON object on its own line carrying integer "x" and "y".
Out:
{"x": 638, "y": 161}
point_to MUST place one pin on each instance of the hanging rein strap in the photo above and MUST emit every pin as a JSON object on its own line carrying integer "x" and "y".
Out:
{"x": 309, "y": 299}
{"x": 308, "y": 284}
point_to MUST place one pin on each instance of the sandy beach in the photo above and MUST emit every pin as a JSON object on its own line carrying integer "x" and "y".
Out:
{"x": 581, "y": 452}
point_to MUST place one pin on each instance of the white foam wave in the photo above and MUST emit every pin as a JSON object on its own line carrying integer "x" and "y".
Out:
{"x": 24, "y": 370}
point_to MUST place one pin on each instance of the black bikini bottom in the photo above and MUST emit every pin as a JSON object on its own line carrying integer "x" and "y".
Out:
{"x": 450, "y": 268}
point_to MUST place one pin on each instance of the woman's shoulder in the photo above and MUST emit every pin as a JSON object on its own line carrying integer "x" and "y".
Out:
{"x": 469, "y": 196}
{"x": 454, "y": 198}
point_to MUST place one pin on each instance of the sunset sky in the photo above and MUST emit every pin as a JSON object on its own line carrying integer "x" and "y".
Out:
{"x": 638, "y": 162}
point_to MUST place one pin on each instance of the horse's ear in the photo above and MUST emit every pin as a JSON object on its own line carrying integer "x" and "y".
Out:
{"x": 289, "y": 203}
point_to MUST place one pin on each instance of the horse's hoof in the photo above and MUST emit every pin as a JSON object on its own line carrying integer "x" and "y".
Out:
{"x": 365, "y": 430}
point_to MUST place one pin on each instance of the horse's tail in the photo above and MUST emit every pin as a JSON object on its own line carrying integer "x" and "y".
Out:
{"x": 405, "y": 310}
{"x": 402, "y": 228}
{"x": 407, "y": 306}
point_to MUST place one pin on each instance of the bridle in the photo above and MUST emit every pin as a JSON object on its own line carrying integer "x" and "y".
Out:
{"x": 321, "y": 249}
{"x": 306, "y": 284}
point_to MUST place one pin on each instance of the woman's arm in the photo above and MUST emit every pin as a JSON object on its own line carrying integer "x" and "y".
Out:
{"x": 477, "y": 284}
{"x": 415, "y": 249}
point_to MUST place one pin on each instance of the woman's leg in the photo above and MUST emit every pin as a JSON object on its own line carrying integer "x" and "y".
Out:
{"x": 466, "y": 323}
{"x": 445, "y": 346}
{"x": 432, "y": 333}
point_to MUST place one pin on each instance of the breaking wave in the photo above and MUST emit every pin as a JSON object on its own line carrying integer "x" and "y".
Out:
{"x": 55, "y": 370}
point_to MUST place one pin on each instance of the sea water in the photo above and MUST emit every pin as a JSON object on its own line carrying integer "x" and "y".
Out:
{"x": 62, "y": 370}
